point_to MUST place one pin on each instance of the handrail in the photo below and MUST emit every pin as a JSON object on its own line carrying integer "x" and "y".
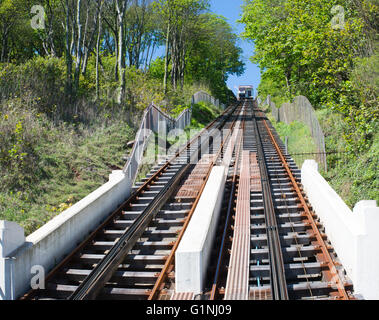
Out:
{"x": 151, "y": 122}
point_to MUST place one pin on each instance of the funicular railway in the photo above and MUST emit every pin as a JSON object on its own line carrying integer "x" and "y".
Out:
{"x": 269, "y": 243}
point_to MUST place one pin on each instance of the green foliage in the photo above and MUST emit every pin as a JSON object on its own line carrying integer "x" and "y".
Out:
{"x": 295, "y": 43}
{"x": 363, "y": 118}
{"x": 44, "y": 169}
{"x": 215, "y": 55}
{"x": 203, "y": 113}
{"x": 40, "y": 82}
{"x": 299, "y": 138}
{"x": 357, "y": 177}
{"x": 20, "y": 131}
{"x": 276, "y": 89}
{"x": 301, "y": 53}
{"x": 156, "y": 70}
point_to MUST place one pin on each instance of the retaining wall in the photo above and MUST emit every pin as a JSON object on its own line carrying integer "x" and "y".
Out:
{"x": 48, "y": 245}
{"x": 353, "y": 233}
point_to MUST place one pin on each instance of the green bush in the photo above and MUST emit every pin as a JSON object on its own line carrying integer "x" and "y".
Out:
{"x": 39, "y": 80}
{"x": 203, "y": 113}
{"x": 299, "y": 136}
{"x": 357, "y": 179}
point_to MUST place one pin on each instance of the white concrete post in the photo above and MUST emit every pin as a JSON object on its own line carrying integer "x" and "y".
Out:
{"x": 367, "y": 251}
{"x": 116, "y": 175}
{"x": 11, "y": 238}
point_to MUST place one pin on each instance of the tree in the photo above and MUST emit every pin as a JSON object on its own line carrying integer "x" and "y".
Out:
{"x": 121, "y": 6}
{"x": 179, "y": 18}
{"x": 297, "y": 44}
{"x": 12, "y": 21}
{"x": 214, "y": 54}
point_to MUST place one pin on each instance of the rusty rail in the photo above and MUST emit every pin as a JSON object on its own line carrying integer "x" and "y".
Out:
{"x": 169, "y": 265}
{"x": 325, "y": 252}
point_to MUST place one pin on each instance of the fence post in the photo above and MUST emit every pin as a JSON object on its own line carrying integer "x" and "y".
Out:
{"x": 11, "y": 238}
{"x": 286, "y": 143}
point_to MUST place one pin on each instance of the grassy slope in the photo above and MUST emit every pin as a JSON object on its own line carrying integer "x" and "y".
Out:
{"x": 356, "y": 177}
{"x": 299, "y": 138}
{"x": 67, "y": 163}
{"x": 73, "y": 163}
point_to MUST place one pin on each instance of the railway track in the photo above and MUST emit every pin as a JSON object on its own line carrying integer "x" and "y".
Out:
{"x": 283, "y": 252}
{"x": 130, "y": 255}
{"x": 269, "y": 245}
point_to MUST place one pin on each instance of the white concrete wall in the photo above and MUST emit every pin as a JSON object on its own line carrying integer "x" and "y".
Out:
{"x": 11, "y": 237}
{"x": 192, "y": 255}
{"x": 47, "y": 246}
{"x": 353, "y": 234}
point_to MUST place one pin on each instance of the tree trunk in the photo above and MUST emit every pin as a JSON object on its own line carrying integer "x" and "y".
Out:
{"x": 121, "y": 8}
{"x": 4, "y": 46}
{"x": 121, "y": 61}
{"x": 78, "y": 49}
{"x": 287, "y": 76}
{"x": 166, "y": 59}
{"x": 98, "y": 52}
{"x": 68, "y": 54}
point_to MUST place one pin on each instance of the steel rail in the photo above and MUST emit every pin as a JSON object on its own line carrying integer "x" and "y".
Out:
{"x": 340, "y": 285}
{"x": 228, "y": 216}
{"x": 93, "y": 234}
{"x": 170, "y": 260}
{"x": 103, "y": 271}
{"x": 283, "y": 196}
{"x": 293, "y": 230}
{"x": 277, "y": 273}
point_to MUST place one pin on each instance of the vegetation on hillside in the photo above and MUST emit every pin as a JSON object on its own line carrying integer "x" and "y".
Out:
{"x": 298, "y": 134}
{"x": 46, "y": 168}
{"x": 327, "y": 51}
{"x": 353, "y": 178}
{"x": 75, "y": 79}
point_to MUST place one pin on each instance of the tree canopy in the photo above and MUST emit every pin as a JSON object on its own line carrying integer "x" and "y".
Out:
{"x": 199, "y": 46}
{"x": 311, "y": 47}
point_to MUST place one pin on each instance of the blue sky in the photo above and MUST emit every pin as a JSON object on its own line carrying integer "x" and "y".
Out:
{"x": 231, "y": 9}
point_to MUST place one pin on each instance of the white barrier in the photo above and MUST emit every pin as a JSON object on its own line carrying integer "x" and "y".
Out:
{"x": 48, "y": 245}
{"x": 353, "y": 234}
{"x": 203, "y": 96}
{"x": 192, "y": 255}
